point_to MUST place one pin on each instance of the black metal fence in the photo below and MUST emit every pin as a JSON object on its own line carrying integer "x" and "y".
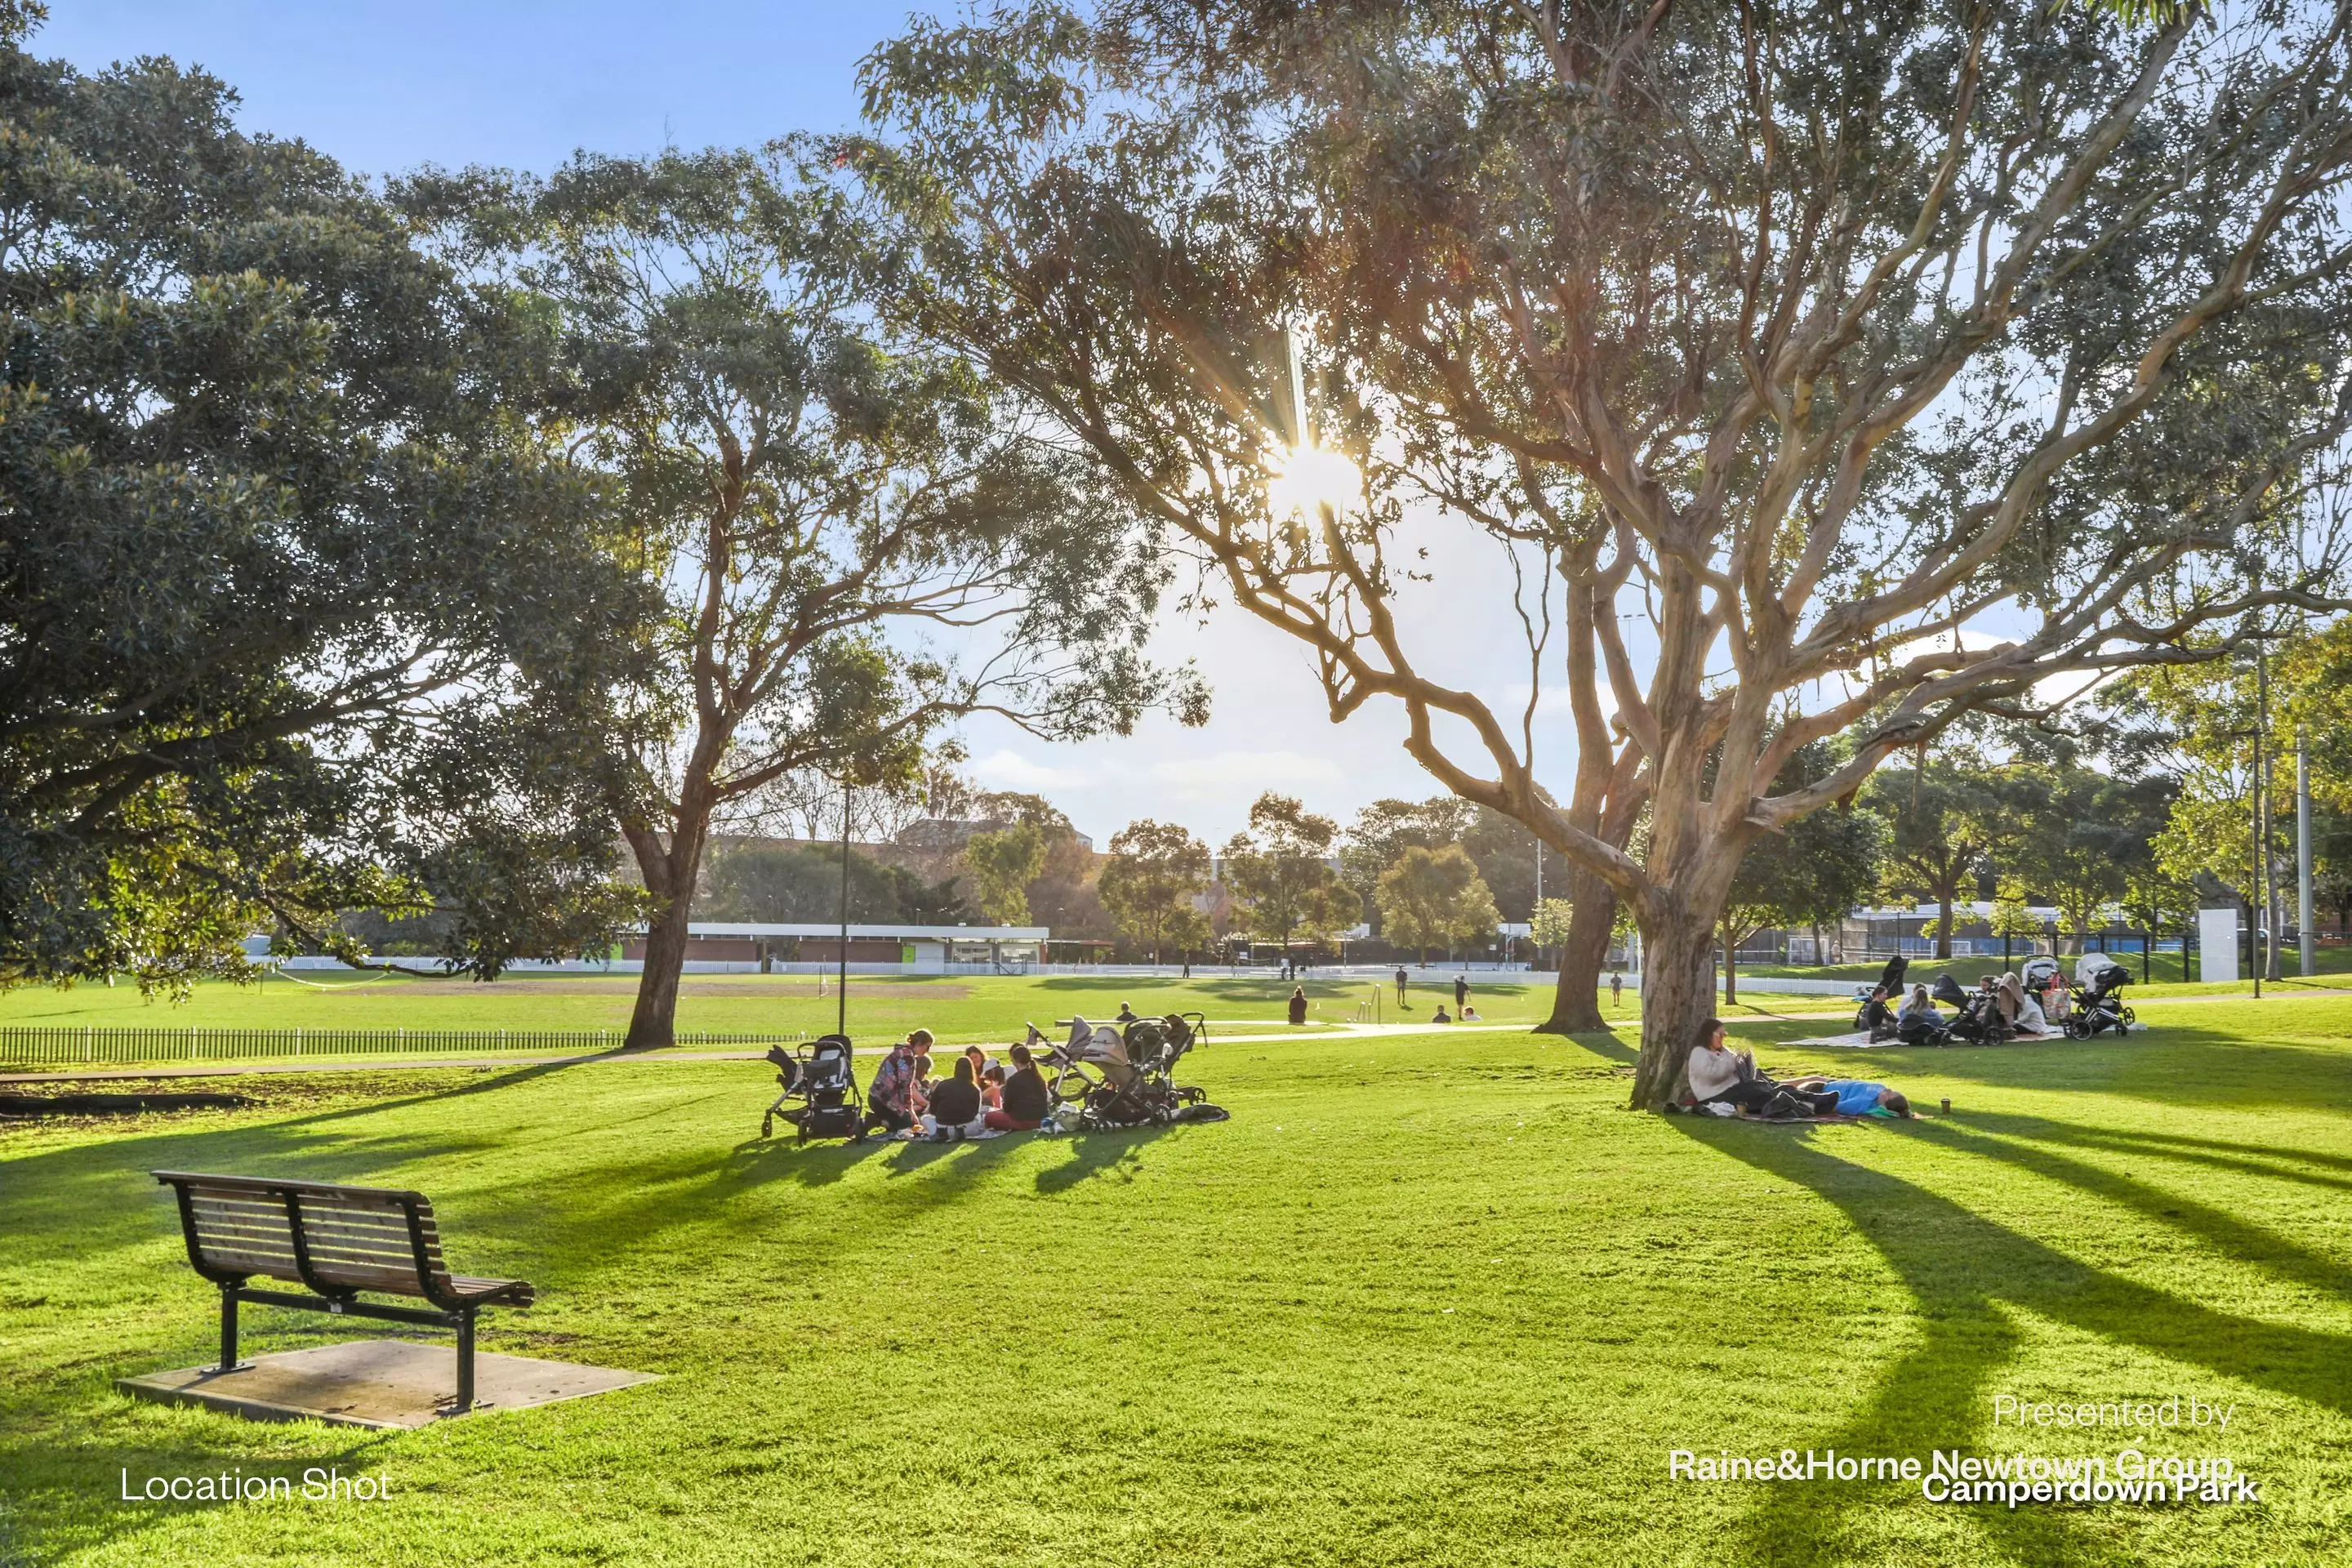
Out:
{"x": 72, "y": 1047}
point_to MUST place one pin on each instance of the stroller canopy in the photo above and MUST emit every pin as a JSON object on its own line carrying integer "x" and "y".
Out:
{"x": 2092, "y": 965}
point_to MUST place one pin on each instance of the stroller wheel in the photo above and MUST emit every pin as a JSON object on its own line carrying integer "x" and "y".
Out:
{"x": 767, "y": 1125}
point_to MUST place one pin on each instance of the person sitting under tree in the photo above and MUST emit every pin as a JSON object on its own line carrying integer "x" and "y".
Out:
{"x": 1720, "y": 1076}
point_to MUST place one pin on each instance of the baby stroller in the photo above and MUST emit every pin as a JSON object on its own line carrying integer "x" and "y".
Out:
{"x": 2099, "y": 1006}
{"x": 1102, "y": 1080}
{"x": 1979, "y": 1021}
{"x": 820, "y": 1091}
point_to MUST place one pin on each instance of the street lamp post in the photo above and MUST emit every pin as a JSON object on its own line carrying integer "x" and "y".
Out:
{"x": 841, "y": 959}
{"x": 2302, "y": 858}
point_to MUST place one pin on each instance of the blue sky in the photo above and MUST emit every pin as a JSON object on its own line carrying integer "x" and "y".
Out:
{"x": 384, "y": 88}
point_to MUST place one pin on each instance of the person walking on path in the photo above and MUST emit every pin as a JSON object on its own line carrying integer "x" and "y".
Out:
{"x": 1401, "y": 980}
{"x": 1298, "y": 1004}
{"x": 1461, "y": 992}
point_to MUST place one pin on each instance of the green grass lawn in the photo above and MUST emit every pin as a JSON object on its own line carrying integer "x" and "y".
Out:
{"x": 1426, "y": 1299}
{"x": 956, "y": 1008}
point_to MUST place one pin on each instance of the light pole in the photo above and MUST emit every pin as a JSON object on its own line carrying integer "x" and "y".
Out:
{"x": 2268, "y": 863}
{"x": 841, "y": 959}
{"x": 2303, "y": 857}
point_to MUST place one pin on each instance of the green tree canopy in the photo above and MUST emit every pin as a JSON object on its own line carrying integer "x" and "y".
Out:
{"x": 2085, "y": 835}
{"x": 1156, "y": 870}
{"x": 1002, "y": 864}
{"x": 1386, "y": 828}
{"x": 299, "y": 615}
{"x": 1280, "y": 878}
{"x": 1944, "y": 822}
{"x": 1436, "y": 897}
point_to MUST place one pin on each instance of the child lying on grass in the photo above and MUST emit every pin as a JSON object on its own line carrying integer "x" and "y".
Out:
{"x": 1857, "y": 1098}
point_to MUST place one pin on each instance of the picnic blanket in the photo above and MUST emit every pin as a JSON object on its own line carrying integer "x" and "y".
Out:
{"x": 1782, "y": 1122}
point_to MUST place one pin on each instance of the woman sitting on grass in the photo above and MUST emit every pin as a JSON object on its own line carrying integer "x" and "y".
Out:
{"x": 1025, "y": 1100}
{"x": 1919, "y": 1017}
{"x": 2023, "y": 1013}
{"x": 955, "y": 1104}
{"x": 1719, "y": 1076}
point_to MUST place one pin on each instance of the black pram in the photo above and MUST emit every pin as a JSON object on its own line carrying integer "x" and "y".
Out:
{"x": 1979, "y": 1021}
{"x": 820, "y": 1091}
{"x": 2099, "y": 1006}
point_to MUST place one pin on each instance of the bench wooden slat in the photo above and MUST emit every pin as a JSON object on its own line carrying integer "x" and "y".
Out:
{"x": 351, "y": 1239}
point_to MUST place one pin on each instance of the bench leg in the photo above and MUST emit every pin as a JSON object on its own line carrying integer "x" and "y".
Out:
{"x": 466, "y": 1362}
{"x": 228, "y": 1330}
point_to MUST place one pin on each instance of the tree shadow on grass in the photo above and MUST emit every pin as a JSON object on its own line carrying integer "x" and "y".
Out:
{"x": 75, "y": 1470}
{"x": 1095, "y": 1154}
{"x": 2248, "y": 1158}
{"x": 1604, "y": 1042}
{"x": 1961, "y": 1269}
{"x": 2265, "y": 1162}
{"x": 2187, "y": 1069}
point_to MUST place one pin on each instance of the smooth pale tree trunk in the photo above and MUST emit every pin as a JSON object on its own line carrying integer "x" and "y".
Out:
{"x": 1944, "y": 922}
{"x": 1575, "y": 994}
{"x": 1678, "y": 998}
{"x": 1730, "y": 967}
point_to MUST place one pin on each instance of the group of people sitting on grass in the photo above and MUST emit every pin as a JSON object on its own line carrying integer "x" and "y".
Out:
{"x": 978, "y": 1099}
{"x": 1724, "y": 1082}
{"x": 2002, "y": 1001}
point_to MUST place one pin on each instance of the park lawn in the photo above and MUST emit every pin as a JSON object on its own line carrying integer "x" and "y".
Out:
{"x": 1426, "y": 1299}
{"x": 957, "y": 1009}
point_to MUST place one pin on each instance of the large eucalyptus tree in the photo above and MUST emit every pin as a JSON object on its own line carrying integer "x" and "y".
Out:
{"x": 849, "y": 541}
{"x": 1875, "y": 365}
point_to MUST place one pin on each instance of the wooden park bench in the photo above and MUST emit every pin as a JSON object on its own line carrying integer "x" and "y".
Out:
{"x": 339, "y": 1241}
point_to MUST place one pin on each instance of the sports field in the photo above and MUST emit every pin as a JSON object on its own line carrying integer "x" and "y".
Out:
{"x": 1427, "y": 1298}
{"x": 956, "y": 1008}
